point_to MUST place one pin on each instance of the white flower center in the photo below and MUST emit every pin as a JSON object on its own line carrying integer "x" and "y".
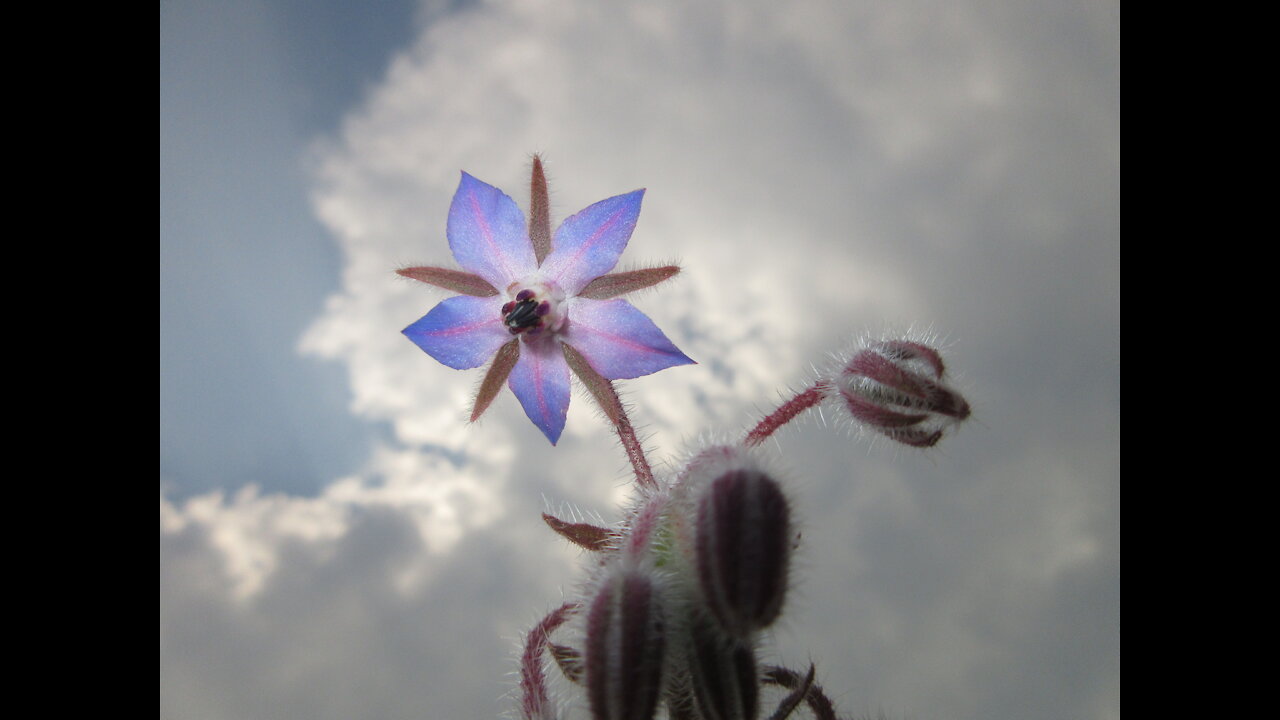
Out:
{"x": 533, "y": 309}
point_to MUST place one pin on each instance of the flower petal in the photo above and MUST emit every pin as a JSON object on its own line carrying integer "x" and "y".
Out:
{"x": 487, "y": 234}
{"x": 588, "y": 244}
{"x": 461, "y": 332}
{"x": 618, "y": 340}
{"x": 540, "y": 381}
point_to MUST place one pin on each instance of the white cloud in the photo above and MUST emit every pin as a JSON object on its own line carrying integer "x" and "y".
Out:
{"x": 819, "y": 169}
{"x": 249, "y": 531}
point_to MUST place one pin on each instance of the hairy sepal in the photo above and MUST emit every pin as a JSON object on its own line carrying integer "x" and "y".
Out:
{"x": 455, "y": 280}
{"x": 539, "y": 212}
{"x": 584, "y": 535}
{"x": 621, "y": 283}
{"x": 499, "y": 370}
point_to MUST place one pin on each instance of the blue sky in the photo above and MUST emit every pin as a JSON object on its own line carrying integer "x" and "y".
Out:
{"x": 337, "y": 542}
{"x": 245, "y": 88}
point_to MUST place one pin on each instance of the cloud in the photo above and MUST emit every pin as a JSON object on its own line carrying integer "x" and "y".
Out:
{"x": 439, "y": 500}
{"x": 819, "y": 169}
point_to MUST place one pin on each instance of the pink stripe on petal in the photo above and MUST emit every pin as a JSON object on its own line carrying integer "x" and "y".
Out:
{"x": 540, "y": 381}
{"x": 588, "y": 244}
{"x": 487, "y": 234}
{"x": 587, "y": 247}
{"x": 618, "y": 340}
{"x": 462, "y": 332}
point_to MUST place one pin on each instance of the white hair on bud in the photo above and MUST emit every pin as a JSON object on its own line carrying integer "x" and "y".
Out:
{"x": 571, "y": 512}
{"x": 839, "y": 379}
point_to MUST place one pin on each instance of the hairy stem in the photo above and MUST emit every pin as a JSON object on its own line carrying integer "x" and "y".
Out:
{"x": 607, "y": 398}
{"x": 535, "y": 703}
{"x": 785, "y": 414}
{"x": 814, "y": 697}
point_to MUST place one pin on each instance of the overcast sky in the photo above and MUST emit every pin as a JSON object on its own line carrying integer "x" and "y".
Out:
{"x": 337, "y": 542}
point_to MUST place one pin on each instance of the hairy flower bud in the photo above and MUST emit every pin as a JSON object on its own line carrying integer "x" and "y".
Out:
{"x": 743, "y": 549}
{"x": 895, "y": 388}
{"x": 722, "y": 675}
{"x": 625, "y": 647}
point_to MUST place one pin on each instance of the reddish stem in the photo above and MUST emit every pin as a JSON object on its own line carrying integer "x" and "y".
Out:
{"x": 605, "y": 396}
{"x": 785, "y": 414}
{"x": 533, "y": 684}
{"x": 631, "y": 444}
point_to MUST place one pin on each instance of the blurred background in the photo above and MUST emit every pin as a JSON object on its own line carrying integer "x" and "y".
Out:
{"x": 337, "y": 542}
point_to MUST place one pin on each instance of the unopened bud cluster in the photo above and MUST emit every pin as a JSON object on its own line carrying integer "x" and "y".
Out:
{"x": 673, "y": 617}
{"x": 681, "y": 594}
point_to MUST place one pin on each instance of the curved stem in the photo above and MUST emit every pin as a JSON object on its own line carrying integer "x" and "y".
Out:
{"x": 535, "y": 703}
{"x": 785, "y": 414}
{"x": 607, "y": 398}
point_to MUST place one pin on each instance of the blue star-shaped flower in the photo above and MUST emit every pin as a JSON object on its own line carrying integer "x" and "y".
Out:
{"x": 528, "y": 295}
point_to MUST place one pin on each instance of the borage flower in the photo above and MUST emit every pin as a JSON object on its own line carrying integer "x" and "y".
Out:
{"x": 531, "y": 301}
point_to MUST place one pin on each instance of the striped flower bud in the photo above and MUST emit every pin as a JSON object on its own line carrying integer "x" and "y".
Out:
{"x": 722, "y": 675}
{"x": 743, "y": 549}
{"x": 624, "y": 647}
{"x": 895, "y": 388}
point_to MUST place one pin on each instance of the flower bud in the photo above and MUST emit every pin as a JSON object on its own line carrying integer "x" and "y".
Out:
{"x": 722, "y": 675}
{"x": 743, "y": 549}
{"x": 625, "y": 647}
{"x": 895, "y": 388}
